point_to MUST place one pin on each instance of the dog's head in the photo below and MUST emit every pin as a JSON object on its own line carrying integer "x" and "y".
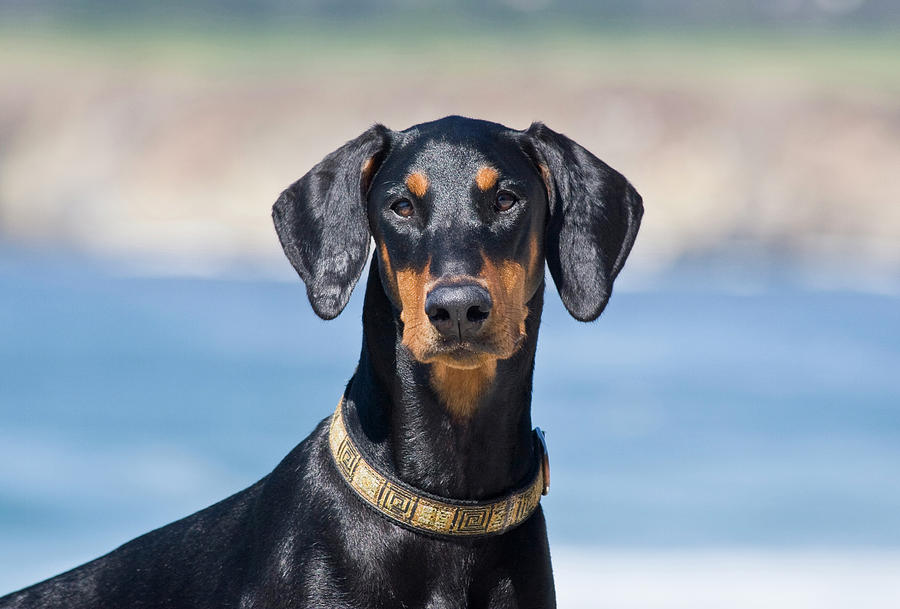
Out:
{"x": 463, "y": 213}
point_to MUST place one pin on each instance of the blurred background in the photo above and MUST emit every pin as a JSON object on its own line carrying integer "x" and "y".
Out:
{"x": 727, "y": 434}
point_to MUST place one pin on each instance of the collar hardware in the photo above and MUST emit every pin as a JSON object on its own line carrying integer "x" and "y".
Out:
{"x": 545, "y": 460}
{"x": 420, "y": 511}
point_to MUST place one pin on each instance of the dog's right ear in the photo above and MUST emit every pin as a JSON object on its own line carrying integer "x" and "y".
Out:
{"x": 322, "y": 223}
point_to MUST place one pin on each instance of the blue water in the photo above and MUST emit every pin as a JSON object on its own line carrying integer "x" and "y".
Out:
{"x": 689, "y": 415}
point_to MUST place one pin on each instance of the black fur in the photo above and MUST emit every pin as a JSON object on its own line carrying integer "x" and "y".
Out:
{"x": 594, "y": 218}
{"x": 299, "y": 537}
{"x": 321, "y": 222}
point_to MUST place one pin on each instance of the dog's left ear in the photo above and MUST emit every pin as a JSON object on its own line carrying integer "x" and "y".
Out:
{"x": 322, "y": 223}
{"x": 593, "y": 219}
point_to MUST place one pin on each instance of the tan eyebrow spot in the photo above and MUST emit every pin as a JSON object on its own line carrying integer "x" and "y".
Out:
{"x": 486, "y": 178}
{"x": 417, "y": 183}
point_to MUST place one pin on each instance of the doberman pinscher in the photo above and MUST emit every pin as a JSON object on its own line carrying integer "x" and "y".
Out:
{"x": 422, "y": 489}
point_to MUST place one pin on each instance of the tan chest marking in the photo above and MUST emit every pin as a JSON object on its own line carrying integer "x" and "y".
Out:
{"x": 460, "y": 389}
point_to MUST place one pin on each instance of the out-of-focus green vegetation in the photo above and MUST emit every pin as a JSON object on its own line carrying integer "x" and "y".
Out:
{"x": 166, "y": 139}
{"x": 841, "y": 58}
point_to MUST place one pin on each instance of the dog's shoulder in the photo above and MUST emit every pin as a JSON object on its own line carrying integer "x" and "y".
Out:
{"x": 181, "y": 564}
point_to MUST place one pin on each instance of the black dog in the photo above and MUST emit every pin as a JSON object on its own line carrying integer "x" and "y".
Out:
{"x": 423, "y": 489}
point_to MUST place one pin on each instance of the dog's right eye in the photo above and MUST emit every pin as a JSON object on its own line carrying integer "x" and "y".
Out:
{"x": 505, "y": 201}
{"x": 403, "y": 208}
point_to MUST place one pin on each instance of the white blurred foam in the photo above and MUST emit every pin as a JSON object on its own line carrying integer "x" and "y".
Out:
{"x": 732, "y": 579}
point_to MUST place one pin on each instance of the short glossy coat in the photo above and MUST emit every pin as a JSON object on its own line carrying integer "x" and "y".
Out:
{"x": 452, "y": 418}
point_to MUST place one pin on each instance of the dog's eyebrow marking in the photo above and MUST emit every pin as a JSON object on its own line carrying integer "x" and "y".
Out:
{"x": 417, "y": 183}
{"x": 486, "y": 178}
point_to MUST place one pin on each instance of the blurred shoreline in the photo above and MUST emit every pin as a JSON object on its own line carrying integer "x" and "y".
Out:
{"x": 163, "y": 149}
{"x": 735, "y": 578}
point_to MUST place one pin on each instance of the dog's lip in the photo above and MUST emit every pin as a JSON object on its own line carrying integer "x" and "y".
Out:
{"x": 459, "y": 355}
{"x": 454, "y": 348}
{"x": 460, "y": 352}
{"x": 449, "y": 345}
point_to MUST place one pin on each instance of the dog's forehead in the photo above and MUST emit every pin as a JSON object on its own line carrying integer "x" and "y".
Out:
{"x": 445, "y": 163}
{"x": 457, "y": 130}
{"x": 454, "y": 149}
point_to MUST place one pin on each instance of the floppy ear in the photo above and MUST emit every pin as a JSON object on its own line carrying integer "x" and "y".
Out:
{"x": 593, "y": 219}
{"x": 322, "y": 223}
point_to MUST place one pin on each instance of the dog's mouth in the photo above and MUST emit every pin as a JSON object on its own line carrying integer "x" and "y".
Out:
{"x": 466, "y": 353}
{"x": 461, "y": 361}
{"x": 460, "y": 350}
{"x": 461, "y": 347}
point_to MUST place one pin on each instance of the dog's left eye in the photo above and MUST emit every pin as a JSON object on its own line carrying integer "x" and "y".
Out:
{"x": 505, "y": 201}
{"x": 403, "y": 208}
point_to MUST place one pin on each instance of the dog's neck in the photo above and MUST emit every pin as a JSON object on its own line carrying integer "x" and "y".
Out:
{"x": 404, "y": 426}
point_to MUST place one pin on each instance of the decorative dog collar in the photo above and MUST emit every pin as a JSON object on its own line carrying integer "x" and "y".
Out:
{"x": 423, "y": 512}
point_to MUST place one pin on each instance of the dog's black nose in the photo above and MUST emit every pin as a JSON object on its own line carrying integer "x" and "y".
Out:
{"x": 458, "y": 310}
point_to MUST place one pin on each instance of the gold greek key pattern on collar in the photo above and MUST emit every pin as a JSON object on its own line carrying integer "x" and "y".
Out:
{"x": 426, "y": 513}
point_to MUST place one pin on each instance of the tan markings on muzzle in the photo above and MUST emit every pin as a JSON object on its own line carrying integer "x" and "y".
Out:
{"x": 460, "y": 389}
{"x": 506, "y": 324}
{"x": 417, "y": 183}
{"x": 418, "y": 334}
{"x": 486, "y": 178}
{"x": 460, "y": 383}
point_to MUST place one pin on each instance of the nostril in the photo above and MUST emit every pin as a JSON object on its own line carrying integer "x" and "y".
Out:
{"x": 475, "y": 314}
{"x": 439, "y": 315}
